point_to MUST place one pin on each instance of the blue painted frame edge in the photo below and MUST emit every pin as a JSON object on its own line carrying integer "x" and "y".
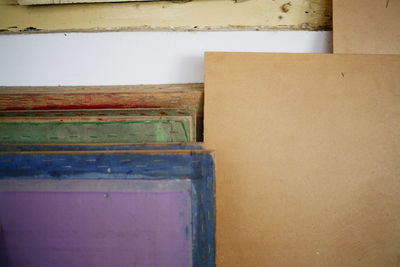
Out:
{"x": 198, "y": 166}
{"x": 203, "y": 215}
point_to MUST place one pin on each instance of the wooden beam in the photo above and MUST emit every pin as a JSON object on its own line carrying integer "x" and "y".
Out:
{"x": 196, "y": 15}
{"x": 58, "y": 2}
{"x": 186, "y": 96}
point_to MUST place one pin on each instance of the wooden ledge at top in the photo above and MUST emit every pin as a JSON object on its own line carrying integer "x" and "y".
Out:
{"x": 196, "y": 15}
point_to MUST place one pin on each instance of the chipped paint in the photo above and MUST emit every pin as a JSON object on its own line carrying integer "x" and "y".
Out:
{"x": 196, "y": 15}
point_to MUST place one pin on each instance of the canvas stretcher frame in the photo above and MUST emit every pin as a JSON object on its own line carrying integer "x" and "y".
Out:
{"x": 75, "y": 167}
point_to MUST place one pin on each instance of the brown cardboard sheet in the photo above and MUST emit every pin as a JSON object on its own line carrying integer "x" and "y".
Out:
{"x": 366, "y": 26}
{"x": 308, "y": 158}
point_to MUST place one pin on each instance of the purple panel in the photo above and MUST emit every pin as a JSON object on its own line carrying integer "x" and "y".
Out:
{"x": 94, "y": 229}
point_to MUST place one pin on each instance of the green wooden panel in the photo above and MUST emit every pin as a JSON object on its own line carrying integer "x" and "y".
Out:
{"x": 95, "y": 127}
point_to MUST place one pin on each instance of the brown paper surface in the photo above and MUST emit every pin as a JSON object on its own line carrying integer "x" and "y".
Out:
{"x": 366, "y": 26}
{"x": 308, "y": 158}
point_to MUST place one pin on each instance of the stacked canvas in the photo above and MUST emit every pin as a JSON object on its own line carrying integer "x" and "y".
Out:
{"x": 104, "y": 179}
{"x": 133, "y": 114}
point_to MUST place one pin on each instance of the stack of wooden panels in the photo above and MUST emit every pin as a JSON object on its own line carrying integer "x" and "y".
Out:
{"x": 106, "y": 205}
{"x": 163, "y": 113}
{"x": 105, "y": 176}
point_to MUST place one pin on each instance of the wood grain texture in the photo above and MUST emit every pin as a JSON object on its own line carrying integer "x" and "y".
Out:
{"x": 56, "y": 2}
{"x": 100, "y": 147}
{"x": 366, "y": 26}
{"x": 308, "y": 159}
{"x": 184, "y": 96}
{"x": 97, "y": 126}
{"x": 196, "y": 15}
{"x": 176, "y": 96}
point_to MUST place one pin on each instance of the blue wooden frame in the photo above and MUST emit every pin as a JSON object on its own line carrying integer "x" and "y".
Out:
{"x": 195, "y": 165}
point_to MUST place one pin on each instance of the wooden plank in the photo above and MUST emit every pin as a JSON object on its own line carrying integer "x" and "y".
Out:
{"x": 97, "y": 126}
{"x": 56, "y": 2}
{"x": 100, "y": 147}
{"x": 182, "y": 96}
{"x": 61, "y": 177}
{"x": 177, "y": 96}
{"x": 366, "y": 27}
{"x": 196, "y": 15}
{"x": 308, "y": 158}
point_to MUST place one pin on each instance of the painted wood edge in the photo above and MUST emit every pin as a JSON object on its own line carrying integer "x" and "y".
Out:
{"x": 187, "y": 122}
{"x": 200, "y": 144}
{"x": 92, "y": 114}
{"x": 155, "y": 16}
{"x": 101, "y": 89}
{"x": 111, "y": 152}
{"x": 46, "y": 98}
{"x": 95, "y": 112}
{"x": 155, "y": 165}
{"x": 17, "y": 148}
{"x": 60, "y": 2}
{"x": 188, "y": 115}
{"x": 181, "y": 96}
{"x": 203, "y": 203}
{"x": 83, "y": 119}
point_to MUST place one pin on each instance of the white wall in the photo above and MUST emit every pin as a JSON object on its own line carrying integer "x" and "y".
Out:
{"x": 134, "y": 57}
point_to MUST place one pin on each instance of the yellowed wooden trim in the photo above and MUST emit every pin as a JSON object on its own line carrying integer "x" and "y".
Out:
{"x": 57, "y": 2}
{"x": 197, "y": 15}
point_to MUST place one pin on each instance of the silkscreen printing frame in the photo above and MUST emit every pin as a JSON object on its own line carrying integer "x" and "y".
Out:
{"x": 17, "y": 168}
{"x": 94, "y": 121}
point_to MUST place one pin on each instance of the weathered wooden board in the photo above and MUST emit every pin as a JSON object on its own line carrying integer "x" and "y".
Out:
{"x": 196, "y": 15}
{"x": 100, "y": 147}
{"x": 308, "y": 159}
{"x": 177, "y": 96}
{"x": 77, "y": 204}
{"x": 366, "y": 26}
{"x": 56, "y": 2}
{"x": 97, "y": 126}
{"x": 182, "y": 96}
